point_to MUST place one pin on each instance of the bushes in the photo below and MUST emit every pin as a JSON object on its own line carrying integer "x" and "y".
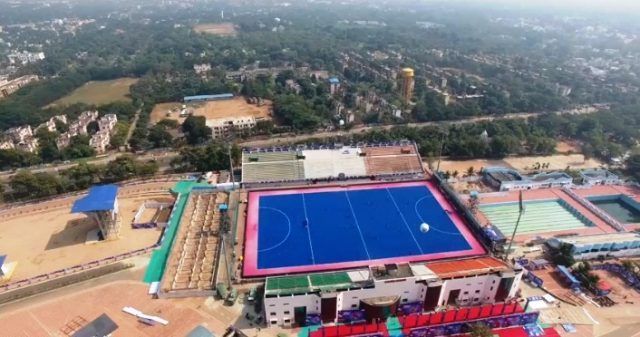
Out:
{"x": 25, "y": 185}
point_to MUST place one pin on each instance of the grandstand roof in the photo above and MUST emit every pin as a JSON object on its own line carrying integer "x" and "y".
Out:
{"x": 482, "y": 265}
{"x": 100, "y": 198}
{"x": 285, "y": 285}
{"x": 201, "y": 97}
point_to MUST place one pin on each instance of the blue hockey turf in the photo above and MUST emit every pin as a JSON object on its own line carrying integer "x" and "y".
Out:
{"x": 313, "y": 228}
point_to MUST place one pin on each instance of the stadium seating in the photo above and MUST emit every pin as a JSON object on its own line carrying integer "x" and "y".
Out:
{"x": 273, "y": 171}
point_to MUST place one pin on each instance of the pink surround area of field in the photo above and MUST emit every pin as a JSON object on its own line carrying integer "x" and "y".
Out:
{"x": 251, "y": 233}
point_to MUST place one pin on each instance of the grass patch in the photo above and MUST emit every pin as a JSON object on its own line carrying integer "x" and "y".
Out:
{"x": 99, "y": 92}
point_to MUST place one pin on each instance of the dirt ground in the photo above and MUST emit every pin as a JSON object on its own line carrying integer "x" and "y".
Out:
{"x": 522, "y": 164}
{"x": 235, "y": 107}
{"x": 463, "y": 165}
{"x": 220, "y": 29}
{"x": 53, "y": 317}
{"x": 557, "y": 162}
{"x": 52, "y": 239}
{"x": 99, "y": 92}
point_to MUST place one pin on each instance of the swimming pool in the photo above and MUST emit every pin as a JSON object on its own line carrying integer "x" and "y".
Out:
{"x": 620, "y": 207}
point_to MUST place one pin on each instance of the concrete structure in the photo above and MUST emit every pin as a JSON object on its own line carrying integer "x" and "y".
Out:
{"x": 79, "y": 127}
{"x": 207, "y": 98}
{"x": 221, "y": 127}
{"x": 380, "y": 291}
{"x": 100, "y": 141}
{"x": 592, "y": 247}
{"x": 334, "y": 85}
{"x": 28, "y": 145}
{"x": 19, "y": 133}
{"x": 407, "y": 85}
{"x": 9, "y": 87}
{"x": 201, "y": 68}
{"x": 599, "y": 177}
{"x": 506, "y": 179}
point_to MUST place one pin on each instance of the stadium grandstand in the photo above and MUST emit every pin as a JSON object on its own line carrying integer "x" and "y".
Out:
{"x": 333, "y": 162}
{"x": 189, "y": 269}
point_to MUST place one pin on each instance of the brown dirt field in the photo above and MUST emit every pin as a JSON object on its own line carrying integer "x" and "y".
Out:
{"x": 49, "y": 318}
{"x": 557, "y": 162}
{"x": 235, "y": 107}
{"x": 55, "y": 238}
{"x": 220, "y": 29}
{"x": 463, "y": 165}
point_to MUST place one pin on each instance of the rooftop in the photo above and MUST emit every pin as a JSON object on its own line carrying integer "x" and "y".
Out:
{"x": 100, "y": 198}
{"x": 603, "y": 238}
{"x": 550, "y": 176}
{"x": 197, "y": 97}
{"x": 456, "y": 268}
{"x": 284, "y": 285}
{"x": 597, "y": 173}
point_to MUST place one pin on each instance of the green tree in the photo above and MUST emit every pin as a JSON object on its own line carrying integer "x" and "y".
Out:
{"x": 480, "y": 330}
{"x": 159, "y": 136}
{"x": 196, "y": 130}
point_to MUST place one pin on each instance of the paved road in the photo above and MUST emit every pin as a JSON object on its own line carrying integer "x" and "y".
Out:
{"x": 165, "y": 156}
{"x": 361, "y": 129}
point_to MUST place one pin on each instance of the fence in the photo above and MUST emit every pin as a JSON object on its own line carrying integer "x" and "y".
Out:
{"x": 74, "y": 269}
{"x": 582, "y": 201}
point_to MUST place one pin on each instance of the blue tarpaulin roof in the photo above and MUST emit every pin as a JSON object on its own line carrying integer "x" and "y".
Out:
{"x": 567, "y": 274}
{"x": 100, "y": 198}
{"x": 334, "y": 80}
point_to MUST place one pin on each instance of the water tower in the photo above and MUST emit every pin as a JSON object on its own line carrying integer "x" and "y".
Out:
{"x": 407, "y": 85}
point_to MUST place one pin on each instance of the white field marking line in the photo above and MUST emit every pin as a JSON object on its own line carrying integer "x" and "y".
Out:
{"x": 415, "y": 207}
{"x": 405, "y": 221}
{"x": 286, "y": 236}
{"x": 306, "y": 219}
{"x": 355, "y": 219}
{"x": 590, "y": 317}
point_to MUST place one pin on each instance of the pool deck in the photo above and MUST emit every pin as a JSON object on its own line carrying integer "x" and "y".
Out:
{"x": 601, "y": 227}
{"x": 632, "y": 191}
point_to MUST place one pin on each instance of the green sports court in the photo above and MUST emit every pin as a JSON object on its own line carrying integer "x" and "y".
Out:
{"x": 539, "y": 216}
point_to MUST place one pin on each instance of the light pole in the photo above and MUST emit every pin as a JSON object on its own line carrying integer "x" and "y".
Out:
{"x": 444, "y": 134}
{"x": 515, "y": 229}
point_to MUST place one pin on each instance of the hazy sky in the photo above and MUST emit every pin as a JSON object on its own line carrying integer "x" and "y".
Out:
{"x": 616, "y": 5}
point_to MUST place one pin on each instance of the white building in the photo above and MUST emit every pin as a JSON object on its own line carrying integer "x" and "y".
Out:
{"x": 222, "y": 126}
{"x": 506, "y": 179}
{"x": 6, "y": 144}
{"x": 63, "y": 140}
{"x": 379, "y": 291}
{"x": 592, "y": 247}
{"x": 100, "y": 141}
{"x": 201, "y": 68}
{"x": 599, "y": 177}
{"x": 107, "y": 122}
{"x": 9, "y": 87}
{"x": 29, "y": 144}
{"x": 20, "y": 133}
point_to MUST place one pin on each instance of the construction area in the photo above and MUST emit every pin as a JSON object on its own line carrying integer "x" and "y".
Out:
{"x": 56, "y": 239}
{"x": 191, "y": 264}
{"x": 236, "y": 107}
{"x": 523, "y": 164}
